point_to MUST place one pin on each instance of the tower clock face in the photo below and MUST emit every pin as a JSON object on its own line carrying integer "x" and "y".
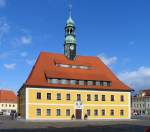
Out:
{"x": 72, "y": 47}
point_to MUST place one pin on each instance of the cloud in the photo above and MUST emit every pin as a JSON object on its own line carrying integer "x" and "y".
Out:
{"x": 30, "y": 61}
{"x": 136, "y": 79}
{"x": 25, "y": 39}
{"x": 4, "y": 28}
{"x": 2, "y": 3}
{"x": 10, "y": 66}
{"x": 24, "y": 54}
{"x": 108, "y": 60}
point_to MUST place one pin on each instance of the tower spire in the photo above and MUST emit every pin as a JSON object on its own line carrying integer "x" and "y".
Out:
{"x": 70, "y": 8}
{"x": 70, "y": 39}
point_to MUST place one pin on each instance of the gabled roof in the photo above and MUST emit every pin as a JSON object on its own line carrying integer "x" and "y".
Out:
{"x": 45, "y": 67}
{"x": 7, "y": 96}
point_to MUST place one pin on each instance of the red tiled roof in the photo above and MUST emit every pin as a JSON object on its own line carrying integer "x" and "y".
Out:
{"x": 7, "y": 96}
{"x": 45, "y": 67}
{"x": 146, "y": 92}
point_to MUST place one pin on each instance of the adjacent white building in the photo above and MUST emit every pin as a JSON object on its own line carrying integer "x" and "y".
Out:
{"x": 141, "y": 103}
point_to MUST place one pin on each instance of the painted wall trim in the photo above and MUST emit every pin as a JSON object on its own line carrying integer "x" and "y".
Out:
{"x": 73, "y": 104}
{"x": 100, "y": 91}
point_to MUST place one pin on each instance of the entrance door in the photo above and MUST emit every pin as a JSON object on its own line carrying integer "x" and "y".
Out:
{"x": 78, "y": 113}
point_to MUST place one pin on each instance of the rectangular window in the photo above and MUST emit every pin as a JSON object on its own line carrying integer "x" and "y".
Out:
{"x": 54, "y": 81}
{"x": 103, "y": 112}
{"x": 112, "y": 112}
{"x": 112, "y": 98}
{"x": 101, "y": 83}
{"x": 109, "y": 83}
{"x": 48, "y": 111}
{"x": 58, "y": 96}
{"x": 81, "y": 82}
{"x": 88, "y": 97}
{"x": 121, "y": 98}
{"x": 38, "y": 96}
{"x": 97, "y": 83}
{"x": 58, "y": 112}
{"x": 105, "y": 83}
{"x": 48, "y": 96}
{"x": 73, "y": 82}
{"x": 68, "y": 96}
{"x": 78, "y": 97}
{"x": 38, "y": 112}
{"x": 67, "y": 112}
{"x": 88, "y": 112}
{"x": 121, "y": 112}
{"x": 96, "y": 97}
{"x": 95, "y": 112}
{"x": 90, "y": 83}
{"x": 103, "y": 97}
{"x": 64, "y": 81}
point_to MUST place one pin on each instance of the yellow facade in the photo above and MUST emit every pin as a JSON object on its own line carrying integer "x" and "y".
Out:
{"x": 32, "y": 104}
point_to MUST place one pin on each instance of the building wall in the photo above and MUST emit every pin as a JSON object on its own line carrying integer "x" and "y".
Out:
{"x": 6, "y": 108}
{"x": 21, "y": 102}
{"x": 32, "y": 104}
{"x": 141, "y": 105}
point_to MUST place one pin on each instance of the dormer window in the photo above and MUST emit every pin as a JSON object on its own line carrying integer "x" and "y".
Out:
{"x": 97, "y": 83}
{"x": 73, "y": 82}
{"x": 54, "y": 81}
{"x": 90, "y": 83}
{"x": 63, "y": 65}
{"x": 105, "y": 83}
{"x": 74, "y": 66}
{"x": 81, "y": 82}
{"x": 84, "y": 67}
{"x": 64, "y": 81}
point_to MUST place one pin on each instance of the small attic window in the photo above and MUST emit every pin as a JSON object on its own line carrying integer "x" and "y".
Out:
{"x": 54, "y": 81}
{"x": 74, "y": 66}
{"x": 84, "y": 67}
{"x": 63, "y": 65}
{"x": 64, "y": 81}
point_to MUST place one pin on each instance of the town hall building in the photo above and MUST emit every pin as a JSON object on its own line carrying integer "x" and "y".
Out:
{"x": 72, "y": 87}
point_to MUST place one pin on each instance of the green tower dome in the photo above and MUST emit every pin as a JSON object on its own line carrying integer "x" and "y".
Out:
{"x": 70, "y": 39}
{"x": 70, "y": 22}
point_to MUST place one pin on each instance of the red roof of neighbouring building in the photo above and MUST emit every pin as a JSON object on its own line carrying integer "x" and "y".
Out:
{"x": 45, "y": 67}
{"x": 7, "y": 96}
{"x": 145, "y": 92}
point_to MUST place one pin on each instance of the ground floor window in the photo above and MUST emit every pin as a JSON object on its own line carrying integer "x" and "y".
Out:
{"x": 48, "y": 112}
{"x": 88, "y": 112}
{"x": 121, "y": 112}
{"x": 58, "y": 112}
{"x": 103, "y": 112}
{"x": 95, "y": 112}
{"x": 112, "y": 112}
{"x": 67, "y": 112}
{"x": 38, "y": 112}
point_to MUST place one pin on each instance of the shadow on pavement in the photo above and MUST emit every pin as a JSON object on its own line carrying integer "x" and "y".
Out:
{"x": 111, "y": 128}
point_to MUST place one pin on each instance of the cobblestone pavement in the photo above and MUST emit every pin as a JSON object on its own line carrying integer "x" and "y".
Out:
{"x": 74, "y": 126}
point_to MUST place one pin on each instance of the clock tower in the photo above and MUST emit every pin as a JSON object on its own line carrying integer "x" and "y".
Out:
{"x": 70, "y": 40}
